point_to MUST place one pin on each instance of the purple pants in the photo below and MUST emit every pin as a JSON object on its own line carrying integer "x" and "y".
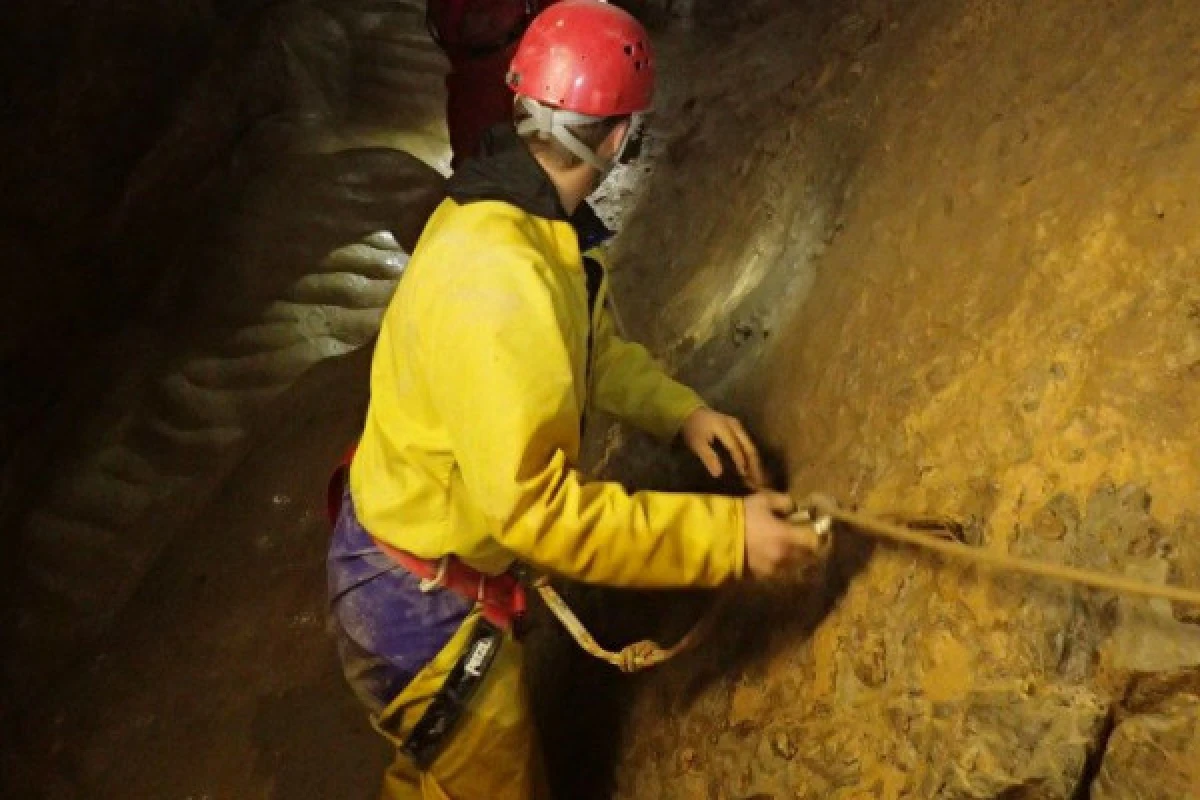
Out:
{"x": 387, "y": 629}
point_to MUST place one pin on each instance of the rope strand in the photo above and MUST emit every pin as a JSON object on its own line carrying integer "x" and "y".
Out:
{"x": 821, "y": 512}
{"x": 1002, "y": 561}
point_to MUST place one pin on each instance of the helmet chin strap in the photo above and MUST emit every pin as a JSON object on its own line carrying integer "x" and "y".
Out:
{"x": 553, "y": 122}
{"x": 630, "y": 148}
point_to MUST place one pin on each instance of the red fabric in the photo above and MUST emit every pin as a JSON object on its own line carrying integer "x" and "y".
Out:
{"x": 588, "y": 57}
{"x": 337, "y": 485}
{"x": 480, "y": 38}
{"x": 463, "y": 26}
{"x": 476, "y": 99}
{"x": 501, "y": 597}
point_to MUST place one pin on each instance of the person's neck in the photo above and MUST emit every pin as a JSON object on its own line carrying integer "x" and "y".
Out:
{"x": 573, "y": 184}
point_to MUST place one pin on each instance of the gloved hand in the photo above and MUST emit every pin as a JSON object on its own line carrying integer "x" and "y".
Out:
{"x": 773, "y": 542}
{"x": 704, "y": 426}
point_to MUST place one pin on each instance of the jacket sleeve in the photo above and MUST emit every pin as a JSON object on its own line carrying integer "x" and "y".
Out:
{"x": 500, "y": 376}
{"x": 628, "y": 383}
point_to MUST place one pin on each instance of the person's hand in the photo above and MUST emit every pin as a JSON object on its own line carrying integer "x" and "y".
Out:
{"x": 704, "y": 427}
{"x": 772, "y": 542}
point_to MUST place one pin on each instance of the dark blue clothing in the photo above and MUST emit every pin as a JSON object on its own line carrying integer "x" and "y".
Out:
{"x": 387, "y": 628}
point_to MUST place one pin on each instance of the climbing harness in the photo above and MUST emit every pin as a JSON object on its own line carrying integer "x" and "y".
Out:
{"x": 501, "y": 598}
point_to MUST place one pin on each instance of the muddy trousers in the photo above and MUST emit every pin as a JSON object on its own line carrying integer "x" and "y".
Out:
{"x": 398, "y": 644}
{"x": 491, "y": 754}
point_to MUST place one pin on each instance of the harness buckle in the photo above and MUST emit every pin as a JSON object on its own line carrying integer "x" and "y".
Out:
{"x": 438, "y": 581}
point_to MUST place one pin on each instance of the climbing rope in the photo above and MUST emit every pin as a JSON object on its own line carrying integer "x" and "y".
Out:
{"x": 821, "y": 512}
{"x": 826, "y": 507}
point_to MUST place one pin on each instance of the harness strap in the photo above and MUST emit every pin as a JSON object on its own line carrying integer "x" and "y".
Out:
{"x": 631, "y": 658}
{"x": 501, "y": 598}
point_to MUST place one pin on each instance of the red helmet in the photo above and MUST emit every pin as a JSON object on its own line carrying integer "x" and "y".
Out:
{"x": 585, "y": 56}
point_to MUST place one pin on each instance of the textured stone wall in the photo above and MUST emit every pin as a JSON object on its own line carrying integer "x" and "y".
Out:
{"x": 942, "y": 255}
{"x": 215, "y": 205}
{"x": 973, "y": 224}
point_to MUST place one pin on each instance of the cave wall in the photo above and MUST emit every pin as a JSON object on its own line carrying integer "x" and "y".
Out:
{"x": 940, "y": 254}
{"x": 974, "y": 225}
{"x": 215, "y": 206}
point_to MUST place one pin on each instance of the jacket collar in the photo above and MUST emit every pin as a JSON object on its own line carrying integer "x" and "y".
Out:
{"x": 507, "y": 172}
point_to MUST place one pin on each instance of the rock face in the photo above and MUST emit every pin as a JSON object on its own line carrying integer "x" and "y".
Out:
{"x": 247, "y": 229}
{"x": 942, "y": 254}
{"x": 1000, "y": 328}
{"x": 1152, "y": 754}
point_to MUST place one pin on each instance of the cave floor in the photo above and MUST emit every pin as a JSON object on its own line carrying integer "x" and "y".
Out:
{"x": 219, "y": 680}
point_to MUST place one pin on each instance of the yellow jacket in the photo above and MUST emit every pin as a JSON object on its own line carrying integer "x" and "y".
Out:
{"x": 478, "y": 387}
